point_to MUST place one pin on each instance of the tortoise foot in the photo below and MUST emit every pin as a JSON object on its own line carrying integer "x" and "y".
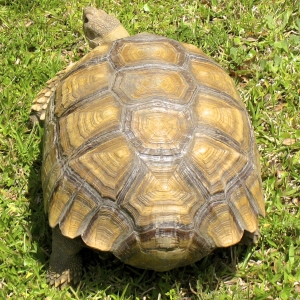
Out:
{"x": 65, "y": 275}
{"x": 65, "y": 260}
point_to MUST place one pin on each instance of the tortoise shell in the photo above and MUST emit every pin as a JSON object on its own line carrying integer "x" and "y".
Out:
{"x": 149, "y": 154}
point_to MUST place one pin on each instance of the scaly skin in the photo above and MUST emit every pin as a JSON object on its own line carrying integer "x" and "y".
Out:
{"x": 65, "y": 260}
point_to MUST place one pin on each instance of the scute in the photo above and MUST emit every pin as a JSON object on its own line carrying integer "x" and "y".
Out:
{"x": 162, "y": 196}
{"x": 107, "y": 166}
{"x": 147, "y": 49}
{"x": 81, "y": 208}
{"x": 254, "y": 185}
{"x": 142, "y": 85}
{"x": 52, "y": 165}
{"x": 215, "y": 163}
{"x": 96, "y": 117}
{"x": 212, "y": 76}
{"x": 221, "y": 114}
{"x": 106, "y": 227}
{"x": 219, "y": 223}
{"x": 243, "y": 210}
{"x": 60, "y": 199}
{"x": 146, "y": 251}
{"x": 81, "y": 84}
{"x": 158, "y": 130}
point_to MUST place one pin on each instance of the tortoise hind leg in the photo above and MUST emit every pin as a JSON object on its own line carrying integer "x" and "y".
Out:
{"x": 65, "y": 260}
{"x": 250, "y": 238}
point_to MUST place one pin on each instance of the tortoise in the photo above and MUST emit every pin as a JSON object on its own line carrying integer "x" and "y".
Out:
{"x": 148, "y": 154}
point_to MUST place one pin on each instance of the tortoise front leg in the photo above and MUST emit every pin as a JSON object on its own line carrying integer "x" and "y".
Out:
{"x": 40, "y": 103}
{"x": 65, "y": 260}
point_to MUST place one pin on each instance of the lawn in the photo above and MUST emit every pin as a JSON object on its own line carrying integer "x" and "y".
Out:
{"x": 256, "y": 42}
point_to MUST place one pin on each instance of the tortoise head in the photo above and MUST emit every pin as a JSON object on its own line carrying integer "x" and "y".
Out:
{"x": 100, "y": 28}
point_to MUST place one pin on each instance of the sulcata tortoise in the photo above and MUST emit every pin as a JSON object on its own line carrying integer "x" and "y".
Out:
{"x": 148, "y": 154}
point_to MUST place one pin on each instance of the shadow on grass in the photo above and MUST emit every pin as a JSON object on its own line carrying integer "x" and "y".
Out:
{"x": 40, "y": 230}
{"x": 117, "y": 278}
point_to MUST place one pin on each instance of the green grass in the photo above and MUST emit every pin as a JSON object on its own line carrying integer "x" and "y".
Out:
{"x": 257, "y": 42}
